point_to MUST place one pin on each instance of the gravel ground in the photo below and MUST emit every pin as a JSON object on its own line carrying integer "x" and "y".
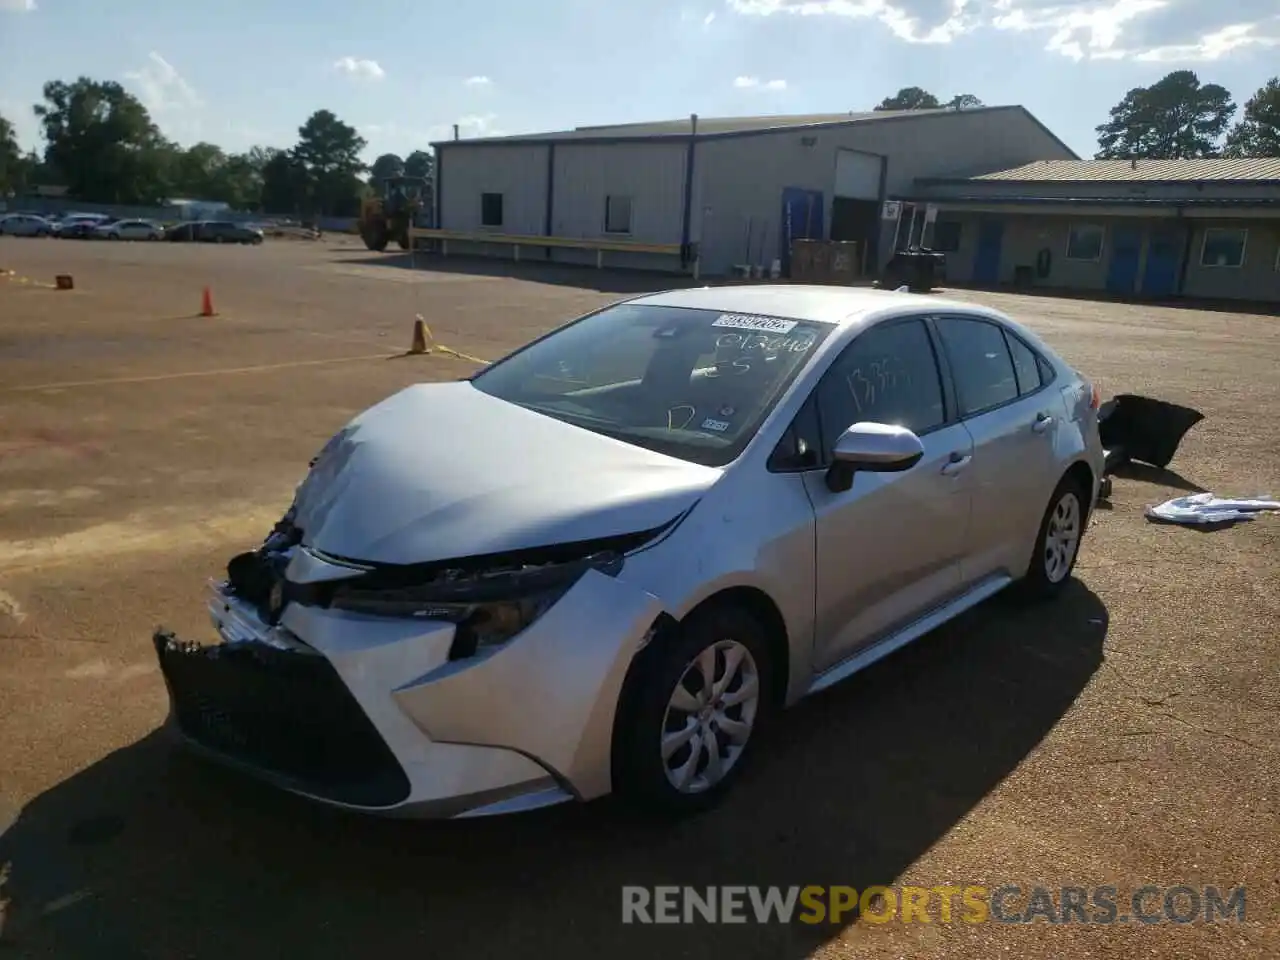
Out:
{"x": 1127, "y": 735}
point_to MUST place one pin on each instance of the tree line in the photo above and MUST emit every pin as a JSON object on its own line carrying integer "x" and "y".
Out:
{"x": 1175, "y": 118}
{"x": 102, "y": 144}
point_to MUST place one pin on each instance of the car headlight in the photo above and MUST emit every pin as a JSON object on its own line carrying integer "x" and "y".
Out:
{"x": 487, "y": 608}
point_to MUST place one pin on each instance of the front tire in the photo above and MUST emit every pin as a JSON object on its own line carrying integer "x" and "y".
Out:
{"x": 692, "y": 713}
{"x": 1057, "y": 542}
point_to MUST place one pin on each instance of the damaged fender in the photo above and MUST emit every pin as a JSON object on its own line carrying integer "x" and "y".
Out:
{"x": 488, "y": 703}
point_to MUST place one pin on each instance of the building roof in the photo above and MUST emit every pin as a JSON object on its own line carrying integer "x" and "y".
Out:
{"x": 1072, "y": 202}
{"x": 717, "y": 127}
{"x": 1133, "y": 171}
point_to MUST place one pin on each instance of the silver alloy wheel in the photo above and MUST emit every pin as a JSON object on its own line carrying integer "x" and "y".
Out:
{"x": 1062, "y": 538}
{"x": 710, "y": 716}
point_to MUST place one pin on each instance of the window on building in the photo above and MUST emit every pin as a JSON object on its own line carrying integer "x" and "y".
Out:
{"x": 1084, "y": 242}
{"x": 1223, "y": 247}
{"x": 490, "y": 209}
{"x": 617, "y": 214}
{"x": 980, "y": 363}
{"x": 946, "y": 236}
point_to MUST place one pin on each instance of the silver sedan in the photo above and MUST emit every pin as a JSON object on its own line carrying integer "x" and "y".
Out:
{"x": 603, "y": 562}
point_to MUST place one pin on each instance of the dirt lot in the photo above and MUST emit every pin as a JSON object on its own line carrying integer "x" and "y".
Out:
{"x": 1128, "y": 735}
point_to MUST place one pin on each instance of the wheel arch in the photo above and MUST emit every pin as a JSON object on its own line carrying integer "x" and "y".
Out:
{"x": 756, "y": 602}
{"x": 1081, "y": 473}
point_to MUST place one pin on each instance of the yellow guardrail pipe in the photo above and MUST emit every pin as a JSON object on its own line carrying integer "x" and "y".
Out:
{"x": 516, "y": 241}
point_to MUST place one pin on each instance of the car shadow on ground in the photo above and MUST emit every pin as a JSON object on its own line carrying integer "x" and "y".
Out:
{"x": 1160, "y": 476}
{"x": 151, "y": 853}
{"x": 558, "y": 274}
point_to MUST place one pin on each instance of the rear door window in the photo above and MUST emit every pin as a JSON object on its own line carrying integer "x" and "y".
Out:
{"x": 1025, "y": 365}
{"x": 981, "y": 366}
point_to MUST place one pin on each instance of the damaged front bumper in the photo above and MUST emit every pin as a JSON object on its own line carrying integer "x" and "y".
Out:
{"x": 1135, "y": 428}
{"x": 372, "y": 714}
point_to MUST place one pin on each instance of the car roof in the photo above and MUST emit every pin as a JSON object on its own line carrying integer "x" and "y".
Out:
{"x": 841, "y": 306}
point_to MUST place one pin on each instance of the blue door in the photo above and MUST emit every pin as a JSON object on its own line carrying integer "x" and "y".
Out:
{"x": 986, "y": 261}
{"x": 1126, "y": 251}
{"x": 801, "y": 220}
{"x": 1164, "y": 251}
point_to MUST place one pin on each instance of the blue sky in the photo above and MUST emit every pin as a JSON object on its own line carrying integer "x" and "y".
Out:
{"x": 244, "y": 72}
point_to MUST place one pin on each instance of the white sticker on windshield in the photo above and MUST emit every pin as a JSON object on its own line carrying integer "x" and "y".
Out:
{"x": 747, "y": 321}
{"x": 719, "y": 426}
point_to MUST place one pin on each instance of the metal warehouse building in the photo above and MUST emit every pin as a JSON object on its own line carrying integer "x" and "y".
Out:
{"x": 1147, "y": 228}
{"x": 706, "y": 195}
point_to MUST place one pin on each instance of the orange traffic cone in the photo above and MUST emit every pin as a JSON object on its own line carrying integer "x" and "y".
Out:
{"x": 206, "y": 304}
{"x": 419, "y": 337}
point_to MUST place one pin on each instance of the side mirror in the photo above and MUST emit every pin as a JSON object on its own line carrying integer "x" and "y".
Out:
{"x": 875, "y": 447}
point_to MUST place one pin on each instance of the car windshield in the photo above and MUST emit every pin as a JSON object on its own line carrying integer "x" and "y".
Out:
{"x": 691, "y": 383}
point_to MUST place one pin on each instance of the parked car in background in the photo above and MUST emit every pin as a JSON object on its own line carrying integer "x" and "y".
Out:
{"x": 25, "y": 225}
{"x": 224, "y": 231}
{"x": 130, "y": 230}
{"x": 214, "y": 231}
{"x": 79, "y": 226}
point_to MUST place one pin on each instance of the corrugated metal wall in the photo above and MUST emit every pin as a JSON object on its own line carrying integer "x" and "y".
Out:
{"x": 518, "y": 172}
{"x": 651, "y": 174}
{"x": 740, "y": 180}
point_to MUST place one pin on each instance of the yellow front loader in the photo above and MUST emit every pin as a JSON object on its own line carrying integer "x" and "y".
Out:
{"x": 388, "y": 217}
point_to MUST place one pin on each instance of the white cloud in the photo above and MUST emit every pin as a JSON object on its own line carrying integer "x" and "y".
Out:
{"x": 360, "y": 69}
{"x": 161, "y": 88}
{"x": 1212, "y": 46}
{"x": 693, "y": 15}
{"x": 901, "y": 22}
{"x": 755, "y": 83}
{"x": 477, "y": 81}
{"x": 1150, "y": 30}
{"x": 17, "y": 6}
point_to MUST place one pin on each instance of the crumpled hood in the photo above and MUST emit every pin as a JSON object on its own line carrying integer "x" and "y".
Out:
{"x": 444, "y": 471}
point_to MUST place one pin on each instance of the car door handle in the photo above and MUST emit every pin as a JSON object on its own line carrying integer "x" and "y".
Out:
{"x": 957, "y": 463}
{"x": 1043, "y": 423}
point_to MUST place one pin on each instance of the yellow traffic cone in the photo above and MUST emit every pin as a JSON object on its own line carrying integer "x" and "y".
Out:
{"x": 420, "y": 334}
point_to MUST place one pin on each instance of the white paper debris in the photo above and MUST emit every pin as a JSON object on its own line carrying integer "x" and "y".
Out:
{"x": 1207, "y": 508}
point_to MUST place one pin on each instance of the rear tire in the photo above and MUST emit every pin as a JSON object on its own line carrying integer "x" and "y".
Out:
{"x": 1057, "y": 542}
{"x": 678, "y": 746}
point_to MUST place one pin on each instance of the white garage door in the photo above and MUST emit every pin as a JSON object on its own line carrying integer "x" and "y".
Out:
{"x": 857, "y": 175}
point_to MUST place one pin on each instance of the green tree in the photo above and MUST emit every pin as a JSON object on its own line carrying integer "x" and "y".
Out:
{"x": 329, "y": 150}
{"x": 1258, "y": 133}
{"x": 387, "y": 165}
{"x": 910, "y": 98}
{"x": 285, "y": 184}
{"x": 419, "y": 164}
{"x": 964, "y": 101}
{"x": 201, "y": 170}
{"x": 102, "y": 143}
{"x": 12, "y": 172}
{"x": 1174, "y": 118}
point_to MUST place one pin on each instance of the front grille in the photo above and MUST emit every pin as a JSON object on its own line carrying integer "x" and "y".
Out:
{"x": 284, "y": 713}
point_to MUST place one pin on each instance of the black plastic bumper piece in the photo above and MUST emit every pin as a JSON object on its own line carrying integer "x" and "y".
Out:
{"x": 1143, "y": 429}
{"x": 286, "y": 716}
